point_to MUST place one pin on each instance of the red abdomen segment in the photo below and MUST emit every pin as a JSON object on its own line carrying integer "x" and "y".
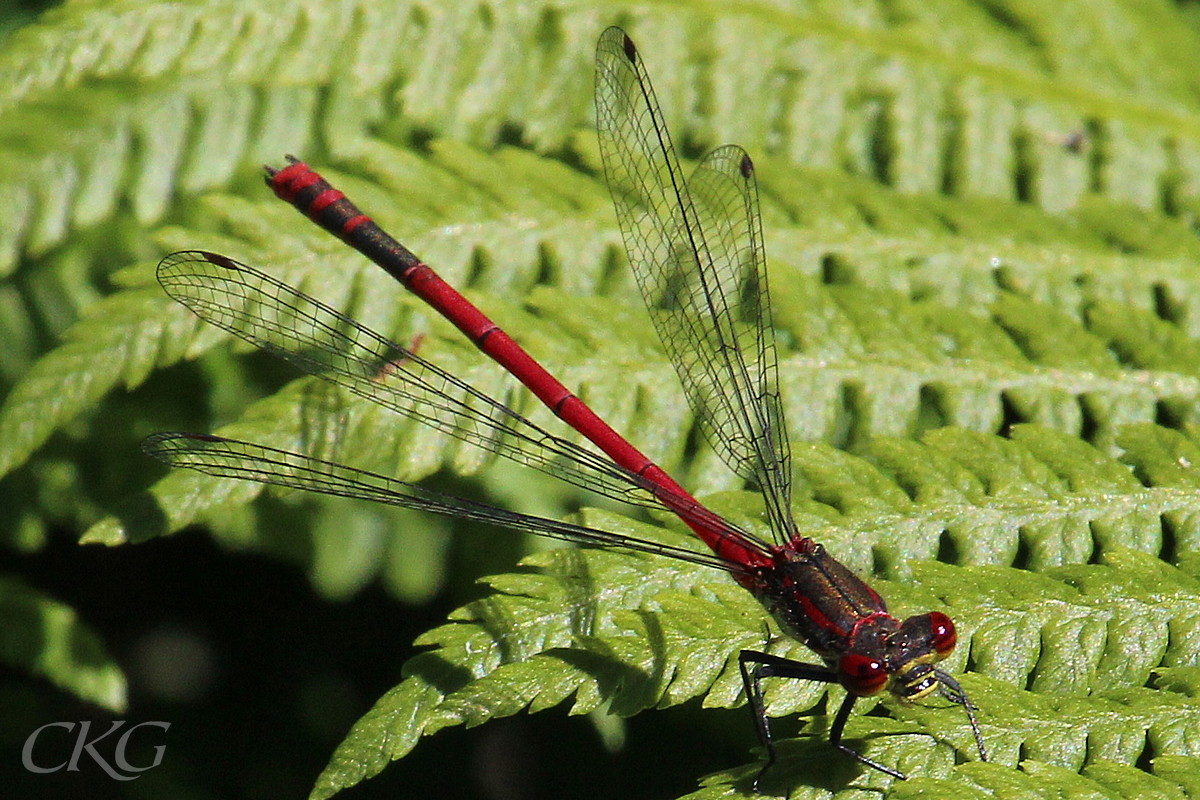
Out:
{"x": 319, "y": 201}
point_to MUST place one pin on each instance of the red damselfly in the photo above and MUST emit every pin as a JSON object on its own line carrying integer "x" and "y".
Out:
{"x": 696, "y": 248}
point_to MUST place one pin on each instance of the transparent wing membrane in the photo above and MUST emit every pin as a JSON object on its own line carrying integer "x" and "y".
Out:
{"x": 696, "y": 249}
{"x": 321, "y": 341}
{"x": 231, "y": 458}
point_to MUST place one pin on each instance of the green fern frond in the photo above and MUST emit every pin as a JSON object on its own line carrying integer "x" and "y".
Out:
{"x": 581, "y": 629}
{"x": 251, "y": 79}
{"x": 978, "y": 216}
{"x": 869, "y": 361}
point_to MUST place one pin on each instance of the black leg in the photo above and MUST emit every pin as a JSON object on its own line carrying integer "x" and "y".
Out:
{"x": 835, "y": 739}
{"x": 953, "y": 691}
{"x": 756, "y": 665}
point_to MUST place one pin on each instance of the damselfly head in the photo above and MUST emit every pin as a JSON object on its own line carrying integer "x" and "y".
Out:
{"x": 920, "y": 642}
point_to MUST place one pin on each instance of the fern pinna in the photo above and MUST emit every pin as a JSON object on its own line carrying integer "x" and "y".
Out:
{"x": 696, "y": 247}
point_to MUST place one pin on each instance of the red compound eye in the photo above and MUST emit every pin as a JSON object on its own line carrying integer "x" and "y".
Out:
{"x": 862, "y": 675}
{"x": 943, "y": 636}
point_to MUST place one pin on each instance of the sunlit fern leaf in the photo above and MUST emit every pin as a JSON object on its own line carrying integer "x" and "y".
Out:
{"x": 976, "y": 216}
{"x": 870, "y": 361}
{"x": 831, "y": 89}
{"x": 619, "y": 632}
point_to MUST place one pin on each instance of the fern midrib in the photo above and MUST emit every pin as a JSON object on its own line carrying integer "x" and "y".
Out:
{"x": 996, "y": 376}
{"x": 1008, "y": 82}
{"x": 998, "y": 513}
